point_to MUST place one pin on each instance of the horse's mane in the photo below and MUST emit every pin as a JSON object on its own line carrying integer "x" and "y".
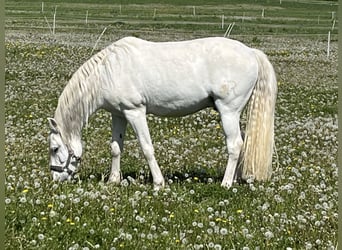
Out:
{"x": 79, "y": 98}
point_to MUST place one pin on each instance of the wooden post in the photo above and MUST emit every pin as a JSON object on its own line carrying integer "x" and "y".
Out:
{"x": 222, "y": 23}
{"x": 42, "y": 7}
{"x": 229, "y": 29}
{"x": 263, "y": 13}
{"x": 154, "y": 13}
{"x": 328, "y": 49}
{"x": 333, "y": 25}
{"x": 48, "y": 24}
{"x": 333, "y": 15}
{"x": 194, "y": 11}
{"x": 98, "y": 39}
{"x": 86, "y": 19}
{"x": 54, "y": 21}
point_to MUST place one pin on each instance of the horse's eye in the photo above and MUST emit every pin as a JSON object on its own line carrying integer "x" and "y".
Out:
{"x": 54, "y": 150}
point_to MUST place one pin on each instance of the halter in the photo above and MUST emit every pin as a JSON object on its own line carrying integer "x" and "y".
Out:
{"x": 66, "y": 168}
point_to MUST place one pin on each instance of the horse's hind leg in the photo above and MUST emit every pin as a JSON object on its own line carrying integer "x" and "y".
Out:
{"x": 231, "y": 127}
{"x": 119, "y": 125}
{"x": 137, "y": 119}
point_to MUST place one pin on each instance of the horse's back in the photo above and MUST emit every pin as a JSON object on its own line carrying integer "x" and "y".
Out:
{"x": 177, "y": 78}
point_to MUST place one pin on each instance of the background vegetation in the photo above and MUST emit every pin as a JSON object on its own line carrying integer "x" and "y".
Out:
{"x": 296, "y": 209}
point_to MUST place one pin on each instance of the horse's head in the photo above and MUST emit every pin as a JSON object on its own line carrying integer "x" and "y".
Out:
{"x": 63, "y": 162}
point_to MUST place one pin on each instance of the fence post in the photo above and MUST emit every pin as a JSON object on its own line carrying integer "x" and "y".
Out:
{"x": 54, "y": 21}
{"x": 86, "y": 20}
{"x": 328, "y": 49}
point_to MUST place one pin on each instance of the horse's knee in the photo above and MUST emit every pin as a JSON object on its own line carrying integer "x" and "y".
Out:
{"x": 115, "y": 149}
{"x": 234, "y": 148}
{"x": 148, "y": 152}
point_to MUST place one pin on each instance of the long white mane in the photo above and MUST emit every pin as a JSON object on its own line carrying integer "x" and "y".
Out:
{"x": 79, "y": 98}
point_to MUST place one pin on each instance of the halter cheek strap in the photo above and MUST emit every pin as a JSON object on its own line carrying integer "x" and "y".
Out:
{"x": 66, "y": 168}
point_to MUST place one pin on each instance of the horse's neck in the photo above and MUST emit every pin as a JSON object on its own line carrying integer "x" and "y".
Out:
{"x": 79, "y": 100}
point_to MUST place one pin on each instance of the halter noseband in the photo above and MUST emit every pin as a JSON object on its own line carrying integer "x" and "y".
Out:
{"x": 66, "y": 168}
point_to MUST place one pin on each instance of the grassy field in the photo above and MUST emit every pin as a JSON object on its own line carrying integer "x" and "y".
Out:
{"x": 296, "y": 209}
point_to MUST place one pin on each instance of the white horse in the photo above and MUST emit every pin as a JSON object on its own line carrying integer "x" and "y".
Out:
{"x": 132, "y": 77}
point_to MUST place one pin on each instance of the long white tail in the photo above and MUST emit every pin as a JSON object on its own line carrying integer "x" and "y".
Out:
{"x": 259, "y": 136}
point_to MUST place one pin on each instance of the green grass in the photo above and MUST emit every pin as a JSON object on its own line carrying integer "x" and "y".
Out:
{"x": 296, "y": 209}
{"x": 290, "y": 17}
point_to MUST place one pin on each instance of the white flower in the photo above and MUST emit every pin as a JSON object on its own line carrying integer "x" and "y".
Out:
{"x": 41, "y": 236}
{"x": 223, "y": 231}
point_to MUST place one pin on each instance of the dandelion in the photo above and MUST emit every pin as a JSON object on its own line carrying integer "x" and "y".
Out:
{"x": 308, "y": 245}
{"x": 268, "y": 235}
{"x": 245, "y": 231}
{"x": 41, "y": 236}
{"x": 223, "y": 231}
{"x": 165, "y": 233}
{"x": 22, "y": 200}
{"x": 7, "y": 201}
{"x": 217, "y": 247}
{"x": 129, "y": 236}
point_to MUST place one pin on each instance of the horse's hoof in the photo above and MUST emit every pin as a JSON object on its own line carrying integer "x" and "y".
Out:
{"x": 114, "y": 180}
{"x": 226, "y": 185}
{"x": 158, "y": 186}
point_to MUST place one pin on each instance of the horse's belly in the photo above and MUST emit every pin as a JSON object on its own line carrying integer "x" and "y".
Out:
{"x": 177, "y": 107}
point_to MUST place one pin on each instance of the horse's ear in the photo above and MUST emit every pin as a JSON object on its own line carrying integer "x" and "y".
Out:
{"x": 53, "y": 125}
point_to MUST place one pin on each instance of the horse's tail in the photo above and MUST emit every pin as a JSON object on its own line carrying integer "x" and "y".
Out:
{"x": 259, "y": 135}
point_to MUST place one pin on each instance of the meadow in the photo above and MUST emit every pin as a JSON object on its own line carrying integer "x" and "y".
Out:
{"x": 296, "y": 209}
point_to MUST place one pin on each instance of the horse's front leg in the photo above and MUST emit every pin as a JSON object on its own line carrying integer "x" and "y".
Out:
{"x": 137, "y": 119}
{"x": 119, "y": 125}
